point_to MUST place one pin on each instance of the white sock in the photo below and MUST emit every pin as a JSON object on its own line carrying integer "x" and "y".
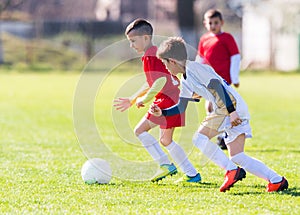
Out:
{"x": 256, "y": 167}
{"x": 180, "y": 158}
{"x": 213, "y": 152}
{"x": 154, "y": 149}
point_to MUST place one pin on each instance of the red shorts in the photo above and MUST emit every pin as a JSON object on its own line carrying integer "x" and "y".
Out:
{"x": 165, "y": 122}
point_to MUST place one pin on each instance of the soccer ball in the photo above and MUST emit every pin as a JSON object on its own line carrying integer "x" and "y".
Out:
{"x": 96, "y": 171}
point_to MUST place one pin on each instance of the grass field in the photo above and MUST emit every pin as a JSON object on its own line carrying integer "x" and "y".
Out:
{"x": 41, "y": 158}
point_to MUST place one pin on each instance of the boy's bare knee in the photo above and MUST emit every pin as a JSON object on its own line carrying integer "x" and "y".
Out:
{"x": 165, "y": 141}
{"x": 137, "y": 131}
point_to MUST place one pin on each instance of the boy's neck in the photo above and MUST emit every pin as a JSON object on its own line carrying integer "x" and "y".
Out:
{"x": 220, "y": 32}
{"x": 148, "y": 46}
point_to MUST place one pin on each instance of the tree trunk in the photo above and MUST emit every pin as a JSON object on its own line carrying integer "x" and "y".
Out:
{"x": 1, "y": 47}
{"x": 186, "y": 23}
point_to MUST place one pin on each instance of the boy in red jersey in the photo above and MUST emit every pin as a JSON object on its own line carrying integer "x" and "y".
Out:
{"x": 163, "y": 87}
{"x": 219, "y": 50}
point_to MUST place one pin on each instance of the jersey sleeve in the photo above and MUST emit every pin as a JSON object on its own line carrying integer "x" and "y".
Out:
{"x": 231, "y": 45}
{"x": 156, "y": 87}
{"x": 141, "y": 92}
{"x": 200, "y": 48}
{"x": 179, "y": 108}
{"x": 235, "y": 68}
{"x": 219, "y": 88}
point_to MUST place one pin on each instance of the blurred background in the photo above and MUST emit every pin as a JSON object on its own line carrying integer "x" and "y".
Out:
{"x": 64, "y": 35}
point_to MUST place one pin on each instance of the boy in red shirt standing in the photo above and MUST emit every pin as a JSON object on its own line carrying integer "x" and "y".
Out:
{"x": 219, "y": 50}
{"x": 163, "y": 87}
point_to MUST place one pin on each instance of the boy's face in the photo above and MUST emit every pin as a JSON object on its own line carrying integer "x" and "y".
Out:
{"x": 138, "y": 42}
{"x": 213, "y": 25}
{"x": 172, "y": 66}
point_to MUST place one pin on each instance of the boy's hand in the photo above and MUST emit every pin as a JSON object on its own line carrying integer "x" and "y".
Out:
{"x": 139, "y": 102}
{"x": 236, "y": 85}
{"x": 155, "y": 110}
{"x": 122, "y": 104}
{"x": 235, "y": 119}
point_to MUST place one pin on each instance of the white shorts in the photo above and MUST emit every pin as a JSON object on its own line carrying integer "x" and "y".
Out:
{"x": 222, "y": 123}
{"x": 231, "y": 133}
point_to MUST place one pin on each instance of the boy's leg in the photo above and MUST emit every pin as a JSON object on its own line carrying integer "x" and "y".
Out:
{"x": 202, "y": 141}
{"x": 252, "y": 165}
{"x": 220, "y": 139}
{"x": 177, "y": 153}
{"x": 208, "y": 107}
{"x": 154, "y": 149}
{"x": 149, "y": 142}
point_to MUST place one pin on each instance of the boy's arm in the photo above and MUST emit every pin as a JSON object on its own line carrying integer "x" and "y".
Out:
{"x": 179, "y": 108}
{"x": 219, "y": 88}
{"x": 215, "y": 84}
{"x": 141, "y": 92}
{"x": 235, "y": 68}
{"x": 123, "y": 104}
{"x": 155, "y": 89}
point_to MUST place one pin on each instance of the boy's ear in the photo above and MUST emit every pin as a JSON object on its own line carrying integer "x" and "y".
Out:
{"x": 205, "y": 21}
{"x": 147, "y": 37}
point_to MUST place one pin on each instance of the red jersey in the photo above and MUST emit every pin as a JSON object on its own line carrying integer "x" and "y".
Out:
{"x": 154, "y": 69}
{"x": 169, "y": 94}
{"x": 216, "y": 50}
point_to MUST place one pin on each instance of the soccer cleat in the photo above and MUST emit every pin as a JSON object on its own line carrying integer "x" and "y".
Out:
{"x": 189, "y": 179}
{"x": 231, "y": 177}
{"x": 280, "y": 186}
{"x": 164, "y": 171}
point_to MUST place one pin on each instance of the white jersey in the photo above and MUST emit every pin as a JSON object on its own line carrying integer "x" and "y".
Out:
{"x": 198, "y": 77}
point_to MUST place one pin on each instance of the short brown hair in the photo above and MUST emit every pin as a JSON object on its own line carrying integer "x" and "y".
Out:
{"x": 212, "y": 13}
{"x": 142, "y": 26}
{"x": 174, "y": 47}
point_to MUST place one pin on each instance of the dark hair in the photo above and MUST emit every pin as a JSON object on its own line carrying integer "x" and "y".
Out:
{"x": 212, "y": 13}
{"x": 142, "y": 26}
{"x": 174, "y": 48}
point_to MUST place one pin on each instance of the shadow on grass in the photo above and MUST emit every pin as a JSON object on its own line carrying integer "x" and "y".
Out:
{"x": 293, "y": 191}
{"x": 273, "y": 150}
{"x": 206, "y": 185}
{"x": 235, "y": 191}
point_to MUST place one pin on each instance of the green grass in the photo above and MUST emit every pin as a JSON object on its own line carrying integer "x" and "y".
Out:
{"x": 40, "y": 157}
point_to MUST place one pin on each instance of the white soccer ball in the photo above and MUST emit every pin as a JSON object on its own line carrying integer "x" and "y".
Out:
{"x": 96, "y": 171}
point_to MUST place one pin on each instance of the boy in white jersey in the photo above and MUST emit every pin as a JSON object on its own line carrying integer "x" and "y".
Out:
{"x": 230, "y": 114}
